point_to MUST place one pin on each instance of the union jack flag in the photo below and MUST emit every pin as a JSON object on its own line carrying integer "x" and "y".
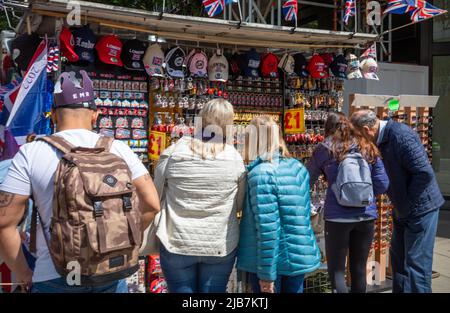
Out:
{"x": 350, "y": 10}
{"x": 290, "y": 10}
{"x": 399, "y": 7}
{"x": 419, "y": 9}
{"x": 214, "y": 7}
{"x": 425, "y": 11}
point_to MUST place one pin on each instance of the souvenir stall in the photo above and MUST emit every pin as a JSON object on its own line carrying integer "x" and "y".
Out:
{"x": 152, "y": 74}
{"x": 415, "y": 111}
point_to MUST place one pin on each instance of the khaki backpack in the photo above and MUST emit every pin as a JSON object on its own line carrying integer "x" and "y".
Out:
{"x": 96, "y": 219}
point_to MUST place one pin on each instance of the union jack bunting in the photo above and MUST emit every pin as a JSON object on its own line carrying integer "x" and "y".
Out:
{"x": 290, "y": 10}
{"x": 350, "y": 10}
{"x": 371, "y": 52}
{"x": 213, "y": 7}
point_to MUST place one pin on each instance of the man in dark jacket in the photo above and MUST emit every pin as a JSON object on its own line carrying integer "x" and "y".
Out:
{"x": 415, "y": 195}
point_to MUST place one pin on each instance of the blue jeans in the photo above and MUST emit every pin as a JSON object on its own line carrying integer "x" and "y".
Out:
{"x": 195, "y": 274}
{"x": 412, "y": 253}
{"x": 59, "y": 285}
{"x": 283, "y": 284}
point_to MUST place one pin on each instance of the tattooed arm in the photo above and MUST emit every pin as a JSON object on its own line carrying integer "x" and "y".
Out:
{"x": 148, "y": 199}
{"x": 12, "y": 208}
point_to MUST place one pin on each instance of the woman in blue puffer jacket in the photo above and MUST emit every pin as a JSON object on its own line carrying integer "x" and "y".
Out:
{"x": 277, "y": 245}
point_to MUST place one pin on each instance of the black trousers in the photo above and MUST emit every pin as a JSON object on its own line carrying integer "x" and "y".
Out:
{"x": 356, "y": 239}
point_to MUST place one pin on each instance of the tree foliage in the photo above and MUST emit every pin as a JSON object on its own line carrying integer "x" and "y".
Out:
{"x": 182, "y": 7}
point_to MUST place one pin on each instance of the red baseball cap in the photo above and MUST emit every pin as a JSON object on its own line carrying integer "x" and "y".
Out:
{"x": 327, "y": 58}
{"x": 269, "y": 65}
{"x": 67, "y": 44}
{"x": 317, "y": 67}
{"x": 109, "y": 49}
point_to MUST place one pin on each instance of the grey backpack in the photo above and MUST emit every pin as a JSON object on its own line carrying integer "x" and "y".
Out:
{"x": 353, "y": 186}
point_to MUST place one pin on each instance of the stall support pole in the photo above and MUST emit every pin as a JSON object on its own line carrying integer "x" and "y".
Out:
{"x": 279, "y": 12}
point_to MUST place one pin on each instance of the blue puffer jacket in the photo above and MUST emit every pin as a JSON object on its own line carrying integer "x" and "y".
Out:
{"x": 276, "y": 237}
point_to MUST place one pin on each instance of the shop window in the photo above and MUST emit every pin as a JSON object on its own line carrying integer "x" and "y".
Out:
{"x": 441, "y": 24}
{"x": 441, "y": 87}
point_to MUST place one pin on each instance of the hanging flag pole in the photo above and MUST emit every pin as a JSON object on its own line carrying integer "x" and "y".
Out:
{"x": 356, "y": 16}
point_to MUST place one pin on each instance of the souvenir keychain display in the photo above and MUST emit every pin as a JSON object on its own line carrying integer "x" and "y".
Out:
{"x": 123, "y": 106}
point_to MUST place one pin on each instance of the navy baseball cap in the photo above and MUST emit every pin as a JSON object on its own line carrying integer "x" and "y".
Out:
{"x": 300, "y": 65}
{"x": 339, "y": 66}
{"x": 252, "y": 62}
{"x": 85, "y": 40}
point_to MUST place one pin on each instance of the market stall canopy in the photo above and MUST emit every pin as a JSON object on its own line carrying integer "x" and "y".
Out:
{"x": 361, "y": 100}
{"x": 200, "y": 29}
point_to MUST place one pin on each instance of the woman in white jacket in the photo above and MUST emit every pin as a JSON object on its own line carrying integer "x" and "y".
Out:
{"x": 202, "y": 181}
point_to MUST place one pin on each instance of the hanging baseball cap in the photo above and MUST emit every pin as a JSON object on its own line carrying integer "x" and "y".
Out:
{"x": 252, "y": 62}
{"x": 72, "y": 93}
{"x": 269, "y": 65}
{"x": 328, "y": 59}
{"x": 174, "y": 62}
{"x": 369, "y": 68}
{"x": 67, "y": 45}
{"x": 235, "y": 62}
{"x": 132, "y": 55}
{"x": 23, "y": 48}
{"x": 353, "y": 71}
{"x": 218, "y": 68}
{"x": 287, "y": 64}
{"x": 154, "y": 60}
{"x": 197, "y": 63}
{"x": 85, "y": 40}
{"x": 109, "y": 49}
{"x": 339, "y": 67}
{"x": 300, "y": 65}
{"x": 317, "y": 67}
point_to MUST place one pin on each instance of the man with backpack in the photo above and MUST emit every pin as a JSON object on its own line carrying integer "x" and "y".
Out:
{"x": 416, "y": 197}
{"x": 93, "y": 200}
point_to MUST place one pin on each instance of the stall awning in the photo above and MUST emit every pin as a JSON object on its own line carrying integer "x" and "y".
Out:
{"x": 199, "y": 29}
{"x": 361, "y": 100}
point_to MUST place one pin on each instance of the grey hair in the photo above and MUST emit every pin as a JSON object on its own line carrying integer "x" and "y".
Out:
{"x": 364, "y": 118}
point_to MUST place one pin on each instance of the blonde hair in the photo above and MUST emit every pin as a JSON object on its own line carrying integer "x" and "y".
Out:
{"x": 268, "y": 139}
{"x": 217, "y": 116}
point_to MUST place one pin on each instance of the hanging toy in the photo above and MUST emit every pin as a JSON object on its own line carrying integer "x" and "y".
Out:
{"x": 182, "y": 85}
{"x": 190, "y": 84}
{"x": 154, "y": 84}
{"x": 166, "y": 85}
{"x": 171, "y": 85}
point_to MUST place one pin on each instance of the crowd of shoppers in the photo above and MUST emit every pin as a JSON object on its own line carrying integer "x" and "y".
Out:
{"x": 204, "y": 185}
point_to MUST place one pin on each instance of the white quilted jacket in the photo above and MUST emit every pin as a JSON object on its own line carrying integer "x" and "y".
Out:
{"x": 200, "y": 201}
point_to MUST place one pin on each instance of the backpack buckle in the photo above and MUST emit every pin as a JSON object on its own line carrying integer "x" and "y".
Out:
{"x": 98, "y": 208}
{"x": 127, "y": 205}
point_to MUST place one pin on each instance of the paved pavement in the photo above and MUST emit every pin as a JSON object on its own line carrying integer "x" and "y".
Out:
{"x": 441, "y": 262}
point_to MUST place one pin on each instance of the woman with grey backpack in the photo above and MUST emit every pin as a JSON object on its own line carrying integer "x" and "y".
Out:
{"x": 355, "y": 175}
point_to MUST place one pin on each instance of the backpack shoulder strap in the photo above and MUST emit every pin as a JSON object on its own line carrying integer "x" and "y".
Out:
{"x": 57, "y": 142}
{"x": 105, "y": 142}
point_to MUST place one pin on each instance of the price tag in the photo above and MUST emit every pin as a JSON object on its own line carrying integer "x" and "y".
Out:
{"x": 294, "y": 121}
{"x": 156, "y": 145}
